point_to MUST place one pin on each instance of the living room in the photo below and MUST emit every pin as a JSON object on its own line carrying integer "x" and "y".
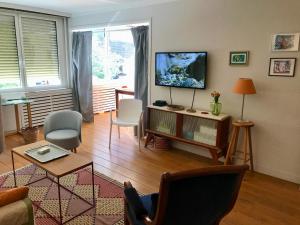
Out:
{"x": 270, "y": 194}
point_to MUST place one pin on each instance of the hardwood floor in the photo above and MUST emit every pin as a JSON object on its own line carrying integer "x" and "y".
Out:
{"x": 262, "y": 199}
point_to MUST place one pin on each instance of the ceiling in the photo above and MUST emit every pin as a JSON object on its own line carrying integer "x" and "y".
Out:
{"x": 85, "y": 6}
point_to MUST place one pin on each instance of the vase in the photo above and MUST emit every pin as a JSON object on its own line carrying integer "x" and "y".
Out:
{"x": 216, "y": 108}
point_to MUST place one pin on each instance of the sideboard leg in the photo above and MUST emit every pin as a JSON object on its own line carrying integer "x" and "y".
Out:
{"x": 148, "y": 139}
{"x": 214, "y": 155}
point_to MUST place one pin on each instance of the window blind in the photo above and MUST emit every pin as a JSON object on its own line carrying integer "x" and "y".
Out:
{"x": 9, "y": 61}
{"x": 40, "y": 52}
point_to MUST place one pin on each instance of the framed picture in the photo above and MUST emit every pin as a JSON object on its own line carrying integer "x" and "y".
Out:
{"x": 285, "y": 42}
{"x": 239, "y": 58}
{"x": 284, "y": 67}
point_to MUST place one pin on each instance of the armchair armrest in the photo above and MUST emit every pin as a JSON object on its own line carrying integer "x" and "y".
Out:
{"x": 18, "y": 212}
{"x": 135, "y": 203}
{"x": 133, "y": 200}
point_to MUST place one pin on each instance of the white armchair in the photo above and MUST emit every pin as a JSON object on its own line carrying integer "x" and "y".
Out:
{"x": 130, "y": 114}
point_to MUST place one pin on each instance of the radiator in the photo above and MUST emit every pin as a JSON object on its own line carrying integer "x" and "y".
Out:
{"x": 103, "y": 98}
{"x": 46, "y": 102}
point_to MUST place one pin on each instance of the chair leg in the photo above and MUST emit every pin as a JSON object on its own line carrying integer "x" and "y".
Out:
{"x": 74, "y": 150}
{"x": 139, "y": 136}
{"x": 119, "y": 131}
{"x": 250, "y": 150}
{"x": 126, "y": 220}
{"x": 110, "y": 135}
{"x": 232, "y": 146}
{"x": 143, "y": 129}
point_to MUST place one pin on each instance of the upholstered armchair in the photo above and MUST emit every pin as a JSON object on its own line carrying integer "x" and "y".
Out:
{"x": 63, "y": 128}
{"x": 196, "y": 197}
{"x": 16, "y": 207}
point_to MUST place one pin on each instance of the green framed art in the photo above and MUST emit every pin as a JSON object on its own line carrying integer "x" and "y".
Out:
{"x": 239, "y": 58}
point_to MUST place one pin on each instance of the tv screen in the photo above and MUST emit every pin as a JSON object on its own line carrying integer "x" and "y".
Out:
{"x": 181, "y": 69}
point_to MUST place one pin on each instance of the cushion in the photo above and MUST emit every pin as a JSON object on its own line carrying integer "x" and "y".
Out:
{"x": 13, "y": 195}
{"x": 62, "y": 134}
{"x": 67, "y": 138}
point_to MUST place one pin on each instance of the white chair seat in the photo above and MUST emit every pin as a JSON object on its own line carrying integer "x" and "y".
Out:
{"x": 123, "y": 123}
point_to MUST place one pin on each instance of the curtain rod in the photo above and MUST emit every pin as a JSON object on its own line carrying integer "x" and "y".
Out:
{"x": 111, "y": 28}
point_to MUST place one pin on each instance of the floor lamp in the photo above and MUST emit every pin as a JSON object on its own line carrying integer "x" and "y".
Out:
{"x": 244, "y": 86}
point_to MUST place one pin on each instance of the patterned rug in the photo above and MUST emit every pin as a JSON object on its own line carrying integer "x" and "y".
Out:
{"x": 109, "y": 197}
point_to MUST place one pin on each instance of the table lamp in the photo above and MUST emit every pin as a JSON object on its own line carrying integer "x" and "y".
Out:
{"x": 244, "y": 86}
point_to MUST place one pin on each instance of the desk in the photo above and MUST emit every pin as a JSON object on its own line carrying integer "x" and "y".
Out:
{"x": 16, "y": 103}
{"x": 123, "y": 91}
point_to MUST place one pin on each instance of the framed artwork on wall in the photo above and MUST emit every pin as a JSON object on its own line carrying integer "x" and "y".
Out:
{"x": 285, "y": 42}
{"x": 239, "y": 58}
{"x": 284, "y": 67}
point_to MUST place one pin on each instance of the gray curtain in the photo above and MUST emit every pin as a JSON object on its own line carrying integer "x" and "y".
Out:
{"x": 141, "y": 43}
{"x": 82, "y": 74}
{"x": 2, "y": 140}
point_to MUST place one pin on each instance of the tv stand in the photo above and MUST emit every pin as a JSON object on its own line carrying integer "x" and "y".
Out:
{"x": 200, "y": 129}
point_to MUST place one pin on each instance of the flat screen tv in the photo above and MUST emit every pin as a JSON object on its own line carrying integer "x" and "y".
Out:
{"x": 181, "y": 69}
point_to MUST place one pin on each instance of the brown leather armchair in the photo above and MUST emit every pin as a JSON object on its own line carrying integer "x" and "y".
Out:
{"x": 195, "y": 197}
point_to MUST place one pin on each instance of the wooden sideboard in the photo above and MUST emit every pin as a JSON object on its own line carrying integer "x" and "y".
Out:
{"x": 201, "y": 128}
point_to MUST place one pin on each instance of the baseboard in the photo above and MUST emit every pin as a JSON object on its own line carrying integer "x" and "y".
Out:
{"x": 278, "y": 174}
{"x": 295, "y": 178}
{"x": 9, "y": 133}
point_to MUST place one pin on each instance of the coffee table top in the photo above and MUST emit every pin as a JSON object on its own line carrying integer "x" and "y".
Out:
{"x": 58, "y": 167}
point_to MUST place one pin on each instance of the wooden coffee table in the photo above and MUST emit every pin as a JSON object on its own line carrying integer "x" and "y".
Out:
{"x": 57, "y": 168}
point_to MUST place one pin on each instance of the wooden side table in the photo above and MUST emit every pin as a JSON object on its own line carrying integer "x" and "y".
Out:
{"x": 247, "y": 145}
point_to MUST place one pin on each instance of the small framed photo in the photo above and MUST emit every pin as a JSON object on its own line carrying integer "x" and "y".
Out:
{"x": 239, "y": 58}
{"x": 284, "y": 67}
{"x": 285, "y": 42}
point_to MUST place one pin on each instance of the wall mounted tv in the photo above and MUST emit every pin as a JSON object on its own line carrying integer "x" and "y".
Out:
{"x": 181, "y": 69}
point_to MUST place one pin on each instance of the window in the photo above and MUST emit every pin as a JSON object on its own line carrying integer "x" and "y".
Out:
{"x": 9, "y": 62}
{"x": 40, "y": 52}
{"x": 113, "y": 57}
{"x": 30, "y": 51}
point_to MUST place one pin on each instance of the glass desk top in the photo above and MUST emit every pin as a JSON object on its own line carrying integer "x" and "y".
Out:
{"x": 15, "y": 101}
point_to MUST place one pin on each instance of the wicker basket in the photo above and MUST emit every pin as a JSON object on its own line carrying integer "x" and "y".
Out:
{"x": 161, "y": 143}
{"x": 30, "y": 134}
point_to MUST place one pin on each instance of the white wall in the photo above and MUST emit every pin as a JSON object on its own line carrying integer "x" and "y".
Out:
{"x": 220, "y": 26}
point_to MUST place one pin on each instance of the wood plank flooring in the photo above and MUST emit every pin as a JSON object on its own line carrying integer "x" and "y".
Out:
{"x": 262, "y": 200}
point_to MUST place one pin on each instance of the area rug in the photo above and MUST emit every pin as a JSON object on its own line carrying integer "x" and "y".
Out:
{"x": 109, "y": 197}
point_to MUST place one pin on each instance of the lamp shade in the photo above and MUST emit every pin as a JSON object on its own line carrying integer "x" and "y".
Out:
{"x": 244, "y": 86}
